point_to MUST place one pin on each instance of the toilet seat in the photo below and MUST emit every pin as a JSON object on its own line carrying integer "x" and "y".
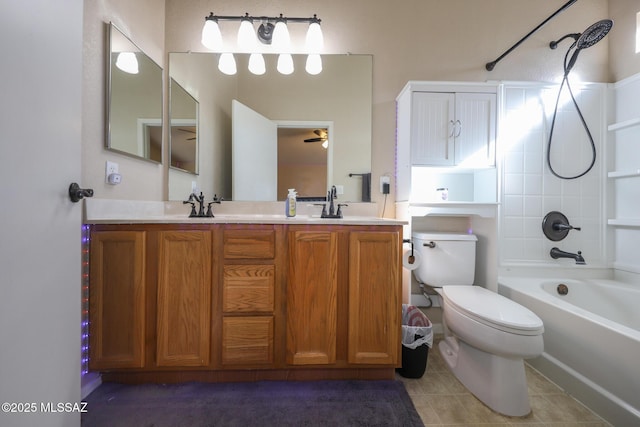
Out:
{"x": 493, "y": 310}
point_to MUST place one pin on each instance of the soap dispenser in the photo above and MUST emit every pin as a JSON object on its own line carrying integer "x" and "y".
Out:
{"x": 290, "y": 204}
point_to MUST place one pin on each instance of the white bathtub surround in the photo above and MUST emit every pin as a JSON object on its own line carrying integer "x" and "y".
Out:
{"x": 592, "y": 339}
{"x": 529, "y": 190}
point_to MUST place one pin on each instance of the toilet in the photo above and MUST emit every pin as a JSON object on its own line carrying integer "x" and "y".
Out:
{"x": 486, "y": 336}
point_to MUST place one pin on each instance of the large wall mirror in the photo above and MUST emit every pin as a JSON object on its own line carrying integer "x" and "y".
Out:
{"x": 334, "y": 106}
{"x": 134, "y": 110}
{"x": 183, "y": 131}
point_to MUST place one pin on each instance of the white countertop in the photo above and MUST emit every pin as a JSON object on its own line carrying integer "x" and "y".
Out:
{"x": 108, "y": 211}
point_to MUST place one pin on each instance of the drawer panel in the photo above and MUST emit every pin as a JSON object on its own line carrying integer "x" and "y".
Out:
{"x": 249, "y": 244}
{"x": 248, "y": 288}
{"x": 247, "y": 340}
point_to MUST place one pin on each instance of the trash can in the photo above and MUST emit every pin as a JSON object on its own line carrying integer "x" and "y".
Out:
{"x": 417, "y": 338}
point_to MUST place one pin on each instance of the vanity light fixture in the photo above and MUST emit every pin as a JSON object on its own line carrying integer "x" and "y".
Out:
{"x": 127, "y": 62}
{"x": 272, "y": 36}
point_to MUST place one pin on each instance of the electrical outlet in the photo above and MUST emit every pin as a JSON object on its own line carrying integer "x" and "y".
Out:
{"x": 339, "y": 189}
{"x": 111, "y": 167}
{"x": 384, "y": 180}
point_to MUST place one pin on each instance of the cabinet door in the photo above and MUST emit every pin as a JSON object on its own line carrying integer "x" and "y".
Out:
{"x": 116, "y": 299}
{"x": 312, "y": 297}
{"x": 475, "y": 129}
{"x": 375, "y": 303}
{"x": 432, "y": 128}
{"x": 184, "y": 298}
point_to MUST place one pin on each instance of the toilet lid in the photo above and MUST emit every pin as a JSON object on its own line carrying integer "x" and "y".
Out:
{"x": 493, "y": 309}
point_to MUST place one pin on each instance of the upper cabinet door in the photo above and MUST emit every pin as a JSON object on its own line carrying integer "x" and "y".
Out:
{"x": 453, "y": 129}
{"x": 475, "y": 129}
{"x": 432, "y": 128}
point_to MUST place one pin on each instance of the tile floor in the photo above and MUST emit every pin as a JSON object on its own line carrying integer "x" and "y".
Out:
{"x": 442, "y": 401}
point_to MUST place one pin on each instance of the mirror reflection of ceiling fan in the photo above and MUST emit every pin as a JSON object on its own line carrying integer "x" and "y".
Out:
{"x": 323, "y": 137}
{"x": 190, "y": 131}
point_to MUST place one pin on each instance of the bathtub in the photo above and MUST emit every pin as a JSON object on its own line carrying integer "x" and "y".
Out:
{"x": 591, "y": 340}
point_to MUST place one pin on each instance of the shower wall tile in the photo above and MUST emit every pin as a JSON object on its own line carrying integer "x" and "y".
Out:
{"x": 533, "y": 184}
{"x": 513, "y": 184}
{"x": 513, "y": 206}
{"x": 530, "y": 190}
{"x": 532, "y": 206}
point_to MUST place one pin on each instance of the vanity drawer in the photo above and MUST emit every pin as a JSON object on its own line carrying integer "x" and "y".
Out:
{"x": 248, "y": 288}
{"x": 247, "y": 340}
{"x": 249, "y": 244}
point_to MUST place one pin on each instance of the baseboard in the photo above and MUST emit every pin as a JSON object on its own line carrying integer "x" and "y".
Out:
{"x": 599, "y": 400}
{"x": 90, "y": 382}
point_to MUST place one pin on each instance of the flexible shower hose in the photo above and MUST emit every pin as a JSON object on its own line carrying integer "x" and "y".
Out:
{"x": 565, "y": 80}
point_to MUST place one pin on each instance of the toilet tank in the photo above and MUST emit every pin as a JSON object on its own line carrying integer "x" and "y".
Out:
{"x": 450, "y": 262}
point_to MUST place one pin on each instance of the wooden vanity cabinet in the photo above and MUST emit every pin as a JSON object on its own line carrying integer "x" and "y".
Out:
{"x": 229, "y": 302}
{"x": 344, "y": 296}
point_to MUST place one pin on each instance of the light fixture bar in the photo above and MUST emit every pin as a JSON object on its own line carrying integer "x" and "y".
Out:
{"x": 212, "y": 16}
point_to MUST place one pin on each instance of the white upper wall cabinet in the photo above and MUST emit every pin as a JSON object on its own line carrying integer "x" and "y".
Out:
{"x": 449, "y": 128}
{"x": 453, "y": 129}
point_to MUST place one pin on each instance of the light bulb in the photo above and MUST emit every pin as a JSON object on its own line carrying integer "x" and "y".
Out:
{"x": 314, "y": 64}
{"x": 285, "y": 63}
{"x": 127, "y": 62}
{"x": 256, "y": 64}
{"x": 247, "y": 39}
{"x": 281, "y": 41}
{"x": 315, "y": 40}
{"x": 227, "y": 64}
{"x": 325, "y": 144}
{"x": 211, "y": 36}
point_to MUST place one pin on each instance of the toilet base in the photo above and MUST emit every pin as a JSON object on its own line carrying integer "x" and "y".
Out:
{"x": 499, "y": 382}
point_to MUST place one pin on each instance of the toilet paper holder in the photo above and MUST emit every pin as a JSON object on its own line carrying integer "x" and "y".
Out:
{"x": 412, "y": 257}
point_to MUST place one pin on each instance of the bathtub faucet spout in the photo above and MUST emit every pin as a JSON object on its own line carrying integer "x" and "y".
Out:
{"x": 557, "y": 253}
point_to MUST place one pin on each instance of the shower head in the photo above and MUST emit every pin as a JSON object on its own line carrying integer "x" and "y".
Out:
{"x": 589, "y": 37}
{"x": 592, "y": 35}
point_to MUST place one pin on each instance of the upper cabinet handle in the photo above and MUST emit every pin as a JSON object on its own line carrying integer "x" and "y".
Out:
{"x": 458, "y": 127}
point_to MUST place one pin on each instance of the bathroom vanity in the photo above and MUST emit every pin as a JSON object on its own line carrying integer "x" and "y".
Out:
{"x": 246, "y": 297}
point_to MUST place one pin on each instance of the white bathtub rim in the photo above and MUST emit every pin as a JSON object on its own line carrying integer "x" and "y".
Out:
{"x": 530, "y": 287}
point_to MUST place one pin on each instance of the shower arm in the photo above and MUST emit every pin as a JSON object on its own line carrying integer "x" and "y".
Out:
{"x": 491, "y": 65}
{"x": 574, "y": 36}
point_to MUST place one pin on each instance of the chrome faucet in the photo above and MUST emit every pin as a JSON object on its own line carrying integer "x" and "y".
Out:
{"x": 557, "y": 253}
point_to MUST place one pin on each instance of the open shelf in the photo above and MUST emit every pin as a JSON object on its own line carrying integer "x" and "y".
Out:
{"x": 624, "y": 124}
{"x": 624, "y": 222}
{"x": 624, "y": 174}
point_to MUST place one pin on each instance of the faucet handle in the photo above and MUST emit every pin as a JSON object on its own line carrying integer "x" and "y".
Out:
{"x": 339, "y": 212}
